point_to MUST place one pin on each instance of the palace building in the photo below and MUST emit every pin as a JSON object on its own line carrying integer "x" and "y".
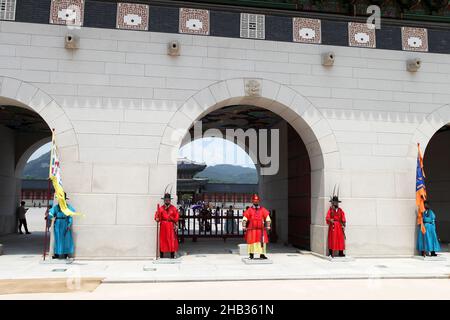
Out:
{"x": 191, "y": 190}
{"x": 122, "y": 84}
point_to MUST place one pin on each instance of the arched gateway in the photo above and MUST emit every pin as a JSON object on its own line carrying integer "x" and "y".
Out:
{"x": 283, "y": 101}
{"x": 28, "y": 118}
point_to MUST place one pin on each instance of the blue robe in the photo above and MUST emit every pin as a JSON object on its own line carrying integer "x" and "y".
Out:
{"x": 63, "y": 237}
{"x": 428, "y": 241}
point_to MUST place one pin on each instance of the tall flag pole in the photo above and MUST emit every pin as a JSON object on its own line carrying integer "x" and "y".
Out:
{"x": 55, "y": 177}
{"x": 421, "y": 192}
{"x": 48, "y": 206}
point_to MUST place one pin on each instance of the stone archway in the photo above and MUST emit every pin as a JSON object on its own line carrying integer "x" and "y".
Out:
{"x": 19, "y": 95}
{"x": 26, "y": 95}
{"x": 290, "y": 105}
{"x": 434, "y": 145}
{"x": 428, "y": 127}
{"x": 423, "y": 135}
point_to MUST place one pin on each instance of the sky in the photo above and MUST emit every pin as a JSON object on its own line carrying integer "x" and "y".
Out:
{"x": 212, "y": 151}
{"x": 39, "y": 152}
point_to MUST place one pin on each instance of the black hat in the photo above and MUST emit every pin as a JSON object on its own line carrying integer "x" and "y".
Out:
{"x": 167, "y": 196}
{"x": 166, "y": 193}
{"x": 335, "y": 196}
{"x": 335, "y": 199}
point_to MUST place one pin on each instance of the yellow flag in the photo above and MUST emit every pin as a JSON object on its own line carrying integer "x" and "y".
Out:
{"x": 55, "y": 177}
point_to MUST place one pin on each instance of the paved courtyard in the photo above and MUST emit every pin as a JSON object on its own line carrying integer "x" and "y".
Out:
{"x": 261, "y": 290}
{"x": 216, "y": 263}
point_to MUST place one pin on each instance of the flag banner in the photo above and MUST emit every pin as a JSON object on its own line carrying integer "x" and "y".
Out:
{"x": 55, "y": 177}
{"x": 421, "y": 193}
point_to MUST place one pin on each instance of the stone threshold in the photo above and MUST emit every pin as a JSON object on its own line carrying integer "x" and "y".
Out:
{"x": 256, "y": 261}
{"x": 335, "y": 259}
{"x": 428, "y": 258}
{"x": 167, "y": 261}
{"x": 278, "y": 278}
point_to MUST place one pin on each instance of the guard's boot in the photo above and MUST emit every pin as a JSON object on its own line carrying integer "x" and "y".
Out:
{"x": 330, "y": 253}
{"x": 261, "y": 256}
{"x": 433, "y": 254}
{"x": 251, "y": 255}
{"x": 161, "y": 255}
{"x": 172, "y": 255}
{"x": 341, "y": 253}
{"x": 55, "y": 256}
{"x": 424, "y": 254}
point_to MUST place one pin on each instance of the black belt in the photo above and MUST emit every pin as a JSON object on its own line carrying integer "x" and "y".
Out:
{"x": 61, "y": 218}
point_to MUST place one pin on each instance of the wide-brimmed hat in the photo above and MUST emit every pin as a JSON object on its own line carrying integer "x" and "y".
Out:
{"x": 335, "y": 196}
{"x": 335, "y": 199}
{"x": 167, "y": 196}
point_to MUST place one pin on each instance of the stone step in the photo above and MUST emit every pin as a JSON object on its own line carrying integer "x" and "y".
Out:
{"x": 256, "y": 261}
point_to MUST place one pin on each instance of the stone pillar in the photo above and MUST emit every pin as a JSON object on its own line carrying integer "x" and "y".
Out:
{"x": 7, "y": 181}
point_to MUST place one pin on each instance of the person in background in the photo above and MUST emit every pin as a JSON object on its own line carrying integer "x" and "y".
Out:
{"x": 229, "y": 225}
{"x": 182, "y": 219}
{"x": 204, "y": 215}
{"x": 21, "y": 211}
{"x": 217, "y": 217}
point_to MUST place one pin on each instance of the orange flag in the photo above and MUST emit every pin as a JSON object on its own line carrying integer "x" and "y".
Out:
{"x": 421, "y": 192}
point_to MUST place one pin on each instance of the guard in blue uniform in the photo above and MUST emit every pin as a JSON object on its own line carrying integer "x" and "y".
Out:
{"x": 64, "y": 247}
{"x": 428, "y": 242}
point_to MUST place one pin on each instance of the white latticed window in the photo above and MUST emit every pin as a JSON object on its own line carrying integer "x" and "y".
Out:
{"x": 7, "y": 9}
{"x": 252, "y": 26}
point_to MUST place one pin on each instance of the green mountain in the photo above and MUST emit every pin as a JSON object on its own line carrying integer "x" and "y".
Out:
{"x": 226, "y": 173}
{"x": 37, "y": 168}
{"x": 223, "y": 173}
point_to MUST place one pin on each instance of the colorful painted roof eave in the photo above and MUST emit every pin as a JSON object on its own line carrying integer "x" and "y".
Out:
{"x": 406, "y": 16}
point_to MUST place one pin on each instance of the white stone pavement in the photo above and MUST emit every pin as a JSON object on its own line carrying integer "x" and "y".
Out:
{"x": 386, "y": 289}
{"x": 208, "y": 260}
{"x": 222, "y": 267}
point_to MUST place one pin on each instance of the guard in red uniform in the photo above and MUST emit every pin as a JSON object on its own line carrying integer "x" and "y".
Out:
{"x": 255, "y": 222}
{"x": 167, "y": 216}
{"x": 336, "y": 224}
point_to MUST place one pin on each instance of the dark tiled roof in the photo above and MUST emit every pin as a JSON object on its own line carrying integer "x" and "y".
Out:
{"x": 35, "y": 184}
{"x": 189, "y": 165}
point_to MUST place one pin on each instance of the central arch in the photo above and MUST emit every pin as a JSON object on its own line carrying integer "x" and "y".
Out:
{"x": 307, "y": 121}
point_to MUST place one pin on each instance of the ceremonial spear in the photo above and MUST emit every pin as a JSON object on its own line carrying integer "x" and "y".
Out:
{"x": 157, "y": 232}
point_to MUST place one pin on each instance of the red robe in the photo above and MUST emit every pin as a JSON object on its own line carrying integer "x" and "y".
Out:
{"x": 255, "y": 225}
{"x": 336, "y": 238}
{"x": 168, "y": 241}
